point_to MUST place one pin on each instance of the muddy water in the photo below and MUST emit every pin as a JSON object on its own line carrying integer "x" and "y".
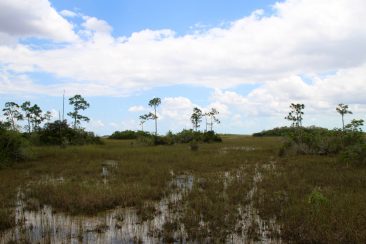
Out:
{"x": 116, "y": 226}
{"x": 123, "y": 225}
{"x": 251, "y": 220}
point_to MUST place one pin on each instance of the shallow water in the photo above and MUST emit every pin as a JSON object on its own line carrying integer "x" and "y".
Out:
{"x": 251, "y": 219}
{"x": 124, "y": 225}
{"x": 115, "y": 226}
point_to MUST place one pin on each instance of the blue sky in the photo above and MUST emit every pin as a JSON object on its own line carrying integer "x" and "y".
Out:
{"x": 127, "y": 17}
{"x": 248, "y": 59}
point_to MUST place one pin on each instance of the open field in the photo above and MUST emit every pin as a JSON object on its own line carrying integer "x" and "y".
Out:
{"x": 238, "y": 190}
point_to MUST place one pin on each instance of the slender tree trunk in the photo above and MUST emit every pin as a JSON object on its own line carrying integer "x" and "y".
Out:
{"x": 343, "y": 122}
{"x": 12, "y": 119}
{"x": 29, "y": 126}
{"x": 211, "y": 123}
{"x": 13, "y": 123}
{"x": 156, "y": 122}
{"x": 206, "y": 122}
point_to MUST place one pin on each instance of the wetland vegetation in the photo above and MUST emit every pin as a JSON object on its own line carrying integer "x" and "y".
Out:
{"x": 291, "y": 184}
{"x": 232, "y": 191}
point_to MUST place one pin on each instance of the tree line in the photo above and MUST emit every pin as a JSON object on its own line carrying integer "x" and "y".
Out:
{"x": 196, "y": 117}
{"x": 296, "y": 116}
{"x": 34, "y": 116}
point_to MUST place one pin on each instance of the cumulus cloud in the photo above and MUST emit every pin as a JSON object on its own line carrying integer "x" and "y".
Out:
{"x": 137, "y": 108}
{"x": 177, "y": 108}
{"x": 309, "y": 51}
{"x": 300, "y": 37}
{"x": 97, "y": 25}
{"x": 33, "y": 18}
{"x": 320, "y": 96}
{"x": 68, "y": 13}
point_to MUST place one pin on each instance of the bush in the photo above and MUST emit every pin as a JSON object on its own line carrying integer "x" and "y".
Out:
{"x": 278, "y": 131}
{"x": 288, "y": 131}
{"x": 128, "y": 134}
{"x": 185, "y": 136}
{"x": 11, "y": 147}
{"x": 60, "y": 133}
{"x": 355, "y": 154}
{"x": 315, "y": 140}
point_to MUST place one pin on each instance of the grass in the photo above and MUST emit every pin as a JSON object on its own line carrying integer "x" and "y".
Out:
{"x": 315, "y": 199}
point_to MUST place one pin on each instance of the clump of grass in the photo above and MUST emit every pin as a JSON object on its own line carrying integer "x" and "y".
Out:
{"x": 7, "y": 219}
{"x": 32, "y": 204}
{"x": 316, "y": 198}
{"x": 194, "y": 145}
{"x": 169, "y": 228}
{"x": 146, "y": 211}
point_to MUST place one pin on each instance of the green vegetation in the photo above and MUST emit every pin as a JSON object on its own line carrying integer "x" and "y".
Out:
{"x": 79, "y": 103}
{"x": 14, "y": 144}
{"x": 11, "y": 146}
{"x": 185, "y": 136}
{"x": 313, "y": 198}
{"x": 294, "y": 184}
{"x": 349, "y": 141}
{"x": 127, "y": 134}
{"x": 317, "y": 199}
{"x": 60, "y": 133}
{"x": 286, "y": 131}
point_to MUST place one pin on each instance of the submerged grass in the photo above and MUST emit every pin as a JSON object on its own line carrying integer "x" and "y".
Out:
{"x": 315, "y": 199}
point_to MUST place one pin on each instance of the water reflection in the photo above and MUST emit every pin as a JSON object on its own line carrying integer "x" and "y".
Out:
{"x": 115, "y": 226}
{"x": 124, "y": 225}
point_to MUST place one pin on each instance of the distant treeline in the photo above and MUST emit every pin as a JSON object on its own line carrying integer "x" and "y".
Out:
{"x": 185, "y": 136}
{"x": 286, "y": 130}
{"x": 128, "y": 134}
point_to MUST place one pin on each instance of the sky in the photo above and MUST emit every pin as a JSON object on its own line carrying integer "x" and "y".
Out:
{"x": 248, "y": 59}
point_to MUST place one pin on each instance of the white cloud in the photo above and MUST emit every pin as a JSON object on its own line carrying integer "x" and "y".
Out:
{"x": 175, "y": 112}
{"x": 68, "y": 13}
{"x": 94, "y": 124}
{"x": 55, "y": 114}
{"x": 321, "y": 96}
{"x": 138, "y": 108}
{"x": 33, "y": 18}
{"x": 97, "y": 25}
{"x": 177, "y": 108}
{"x": 301, "y": 37}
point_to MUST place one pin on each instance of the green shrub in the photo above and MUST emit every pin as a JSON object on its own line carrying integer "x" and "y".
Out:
{"x": 355, "y": 154}
{"x": 314, "y": 140}
{"x": 11, "y": 147}
{"x": 185, "y": 136}
{"x": 316, "y": 198}
{"x": 128, "y": 134}
{"x": 60, "y": 133}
